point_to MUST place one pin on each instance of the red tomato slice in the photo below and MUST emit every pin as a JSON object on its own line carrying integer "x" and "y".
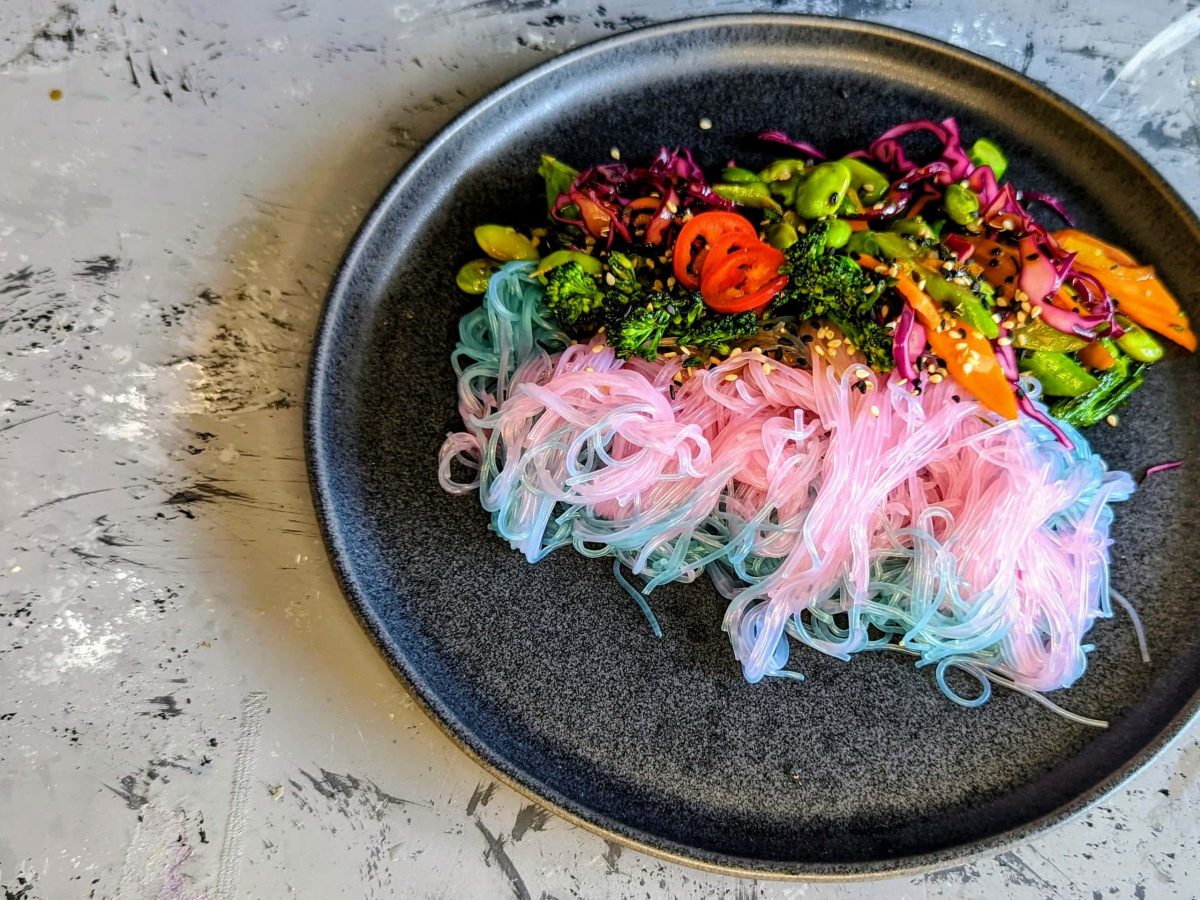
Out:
{"x": 743, "y": 280}
{"x": 699, "y": 234}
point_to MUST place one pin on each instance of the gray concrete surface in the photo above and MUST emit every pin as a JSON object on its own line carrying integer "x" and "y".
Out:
{"x": 187, "y": 707}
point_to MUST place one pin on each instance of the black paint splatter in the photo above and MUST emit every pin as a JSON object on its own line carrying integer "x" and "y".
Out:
{"x": 129, "y": 791}
{"x": 481, "y": 796}
{"x": 169, "y": 707}
{"x": 495, "y": 850}
{"x": 99, "y": 268}
{"x": 530, "y": 817}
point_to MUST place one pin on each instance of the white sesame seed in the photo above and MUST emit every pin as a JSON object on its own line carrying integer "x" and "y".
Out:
{"x": 610, "y": 279}
{"x": 862, "y": 373}
{"x": 757, "y": 350}
{"x": 968, "y": 368}
{"x": 705, "y": 123}
{"x": 735, "y": 352}
{"x": 875, "y": 411}
{"x": 1004, "y": 341}
{"x": 615, "y": 153}
{"x": 588, "y": 369}
{"x": 819, "y": 350}
{"x": 731, "y": 377}
{"x": 935, "y": 378}
{"x": 767, "y": 368}
{"x": 1112, "y": 420}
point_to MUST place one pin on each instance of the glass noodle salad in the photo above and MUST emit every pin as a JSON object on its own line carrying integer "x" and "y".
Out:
{"x": 847, "y": 390}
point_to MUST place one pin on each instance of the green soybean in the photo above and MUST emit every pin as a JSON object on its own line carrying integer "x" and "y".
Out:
{"x": 838, "y": 234}
{"x": 871, "y": 184}
{"x": 987, "y": 153}
{"x": 504, "y": 243}
{"x": 783, "y": 170}
{"x": 781, "y": 235}
{"x": 823, "y": 190}
{"x": 962, "y": 204}
{"x": 738, "y": 175}
{"x": 916, "y": 227}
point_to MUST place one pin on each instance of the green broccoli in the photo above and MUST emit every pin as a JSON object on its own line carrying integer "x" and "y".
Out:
{"x": 625, "y": 287}
{"x": 572, "y": 295}
{"x": 718, "y": 331}
{"x": 822, "y": 283}
{"x": 640, "y": 329}
{"x": 1114, "y": 388}
{"x": 833, "y": 286}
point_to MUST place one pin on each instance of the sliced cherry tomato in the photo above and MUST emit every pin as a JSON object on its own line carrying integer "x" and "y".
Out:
{"x": 700, "y": 233}
{"x": 743, "y": 280}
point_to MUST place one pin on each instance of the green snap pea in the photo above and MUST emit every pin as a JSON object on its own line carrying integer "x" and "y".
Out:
{"x": 504, "y": 243}
{"x": 781, "y": 235}
{"x": 870, "y": 183}
{"x": 987, "y": 153}
{"x": 1034, "y": 334}
{"x": 590, "y": 264}
{"x": 966, "y": 305}
{"x": 838, "y": 234}
{"x": 823, "y": 190}
{"x": 1059, "y": 375}
{"x": 1138, "y": 342}
{"x": 473, "y": 277}
{"x": 961, "y": 299}
{"x": 962, "y": 204}
{"x": 756, "y": 195}
{"x": 738, "y": 175}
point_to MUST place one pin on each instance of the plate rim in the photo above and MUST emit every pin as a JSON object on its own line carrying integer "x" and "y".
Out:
{"x": 529, "y": 784}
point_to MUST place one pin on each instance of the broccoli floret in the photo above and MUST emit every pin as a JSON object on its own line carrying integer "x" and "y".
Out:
{"x": 1114, "y": 389}
{"x": 823, "y": 283}
{"x": 718, "y": 331}
{"x": 639, "y": 330}
{"x": 625, "y": 287}
{"x": 572, "y": 295}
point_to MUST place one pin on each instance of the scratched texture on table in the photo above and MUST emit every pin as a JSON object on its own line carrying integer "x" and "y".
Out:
{"x": 187, "y": 707}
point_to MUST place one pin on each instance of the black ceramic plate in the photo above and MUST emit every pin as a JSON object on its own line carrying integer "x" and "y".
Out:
{"x": 548, "y": 674}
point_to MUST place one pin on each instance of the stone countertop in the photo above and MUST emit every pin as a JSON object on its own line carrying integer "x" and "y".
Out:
{"x": 187, "y": 706}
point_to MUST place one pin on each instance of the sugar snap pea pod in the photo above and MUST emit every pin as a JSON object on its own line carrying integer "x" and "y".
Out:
{"x": 1034, "y": 334}
{"x": 1139, "y": 343}
{"x": 1059, "y": 375}
{"x": 504, "y": 243}
{"x": 756, "y": 195}
{"x": 473, "y": 277}
{"x": 823, "y": 190}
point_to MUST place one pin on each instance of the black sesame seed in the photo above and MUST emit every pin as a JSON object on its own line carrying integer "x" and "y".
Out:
{"x": 994, "y": 263}
{"x": 1033, "y": 256}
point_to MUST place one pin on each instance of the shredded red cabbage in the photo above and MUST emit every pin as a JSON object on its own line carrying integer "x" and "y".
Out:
{"x": 601, "y": 192}
{"x": 908, "y": 342}
{"x": 1051, "y": 201}
{"x": 1162, "y": 467}
{"x": 780, "y": 137}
